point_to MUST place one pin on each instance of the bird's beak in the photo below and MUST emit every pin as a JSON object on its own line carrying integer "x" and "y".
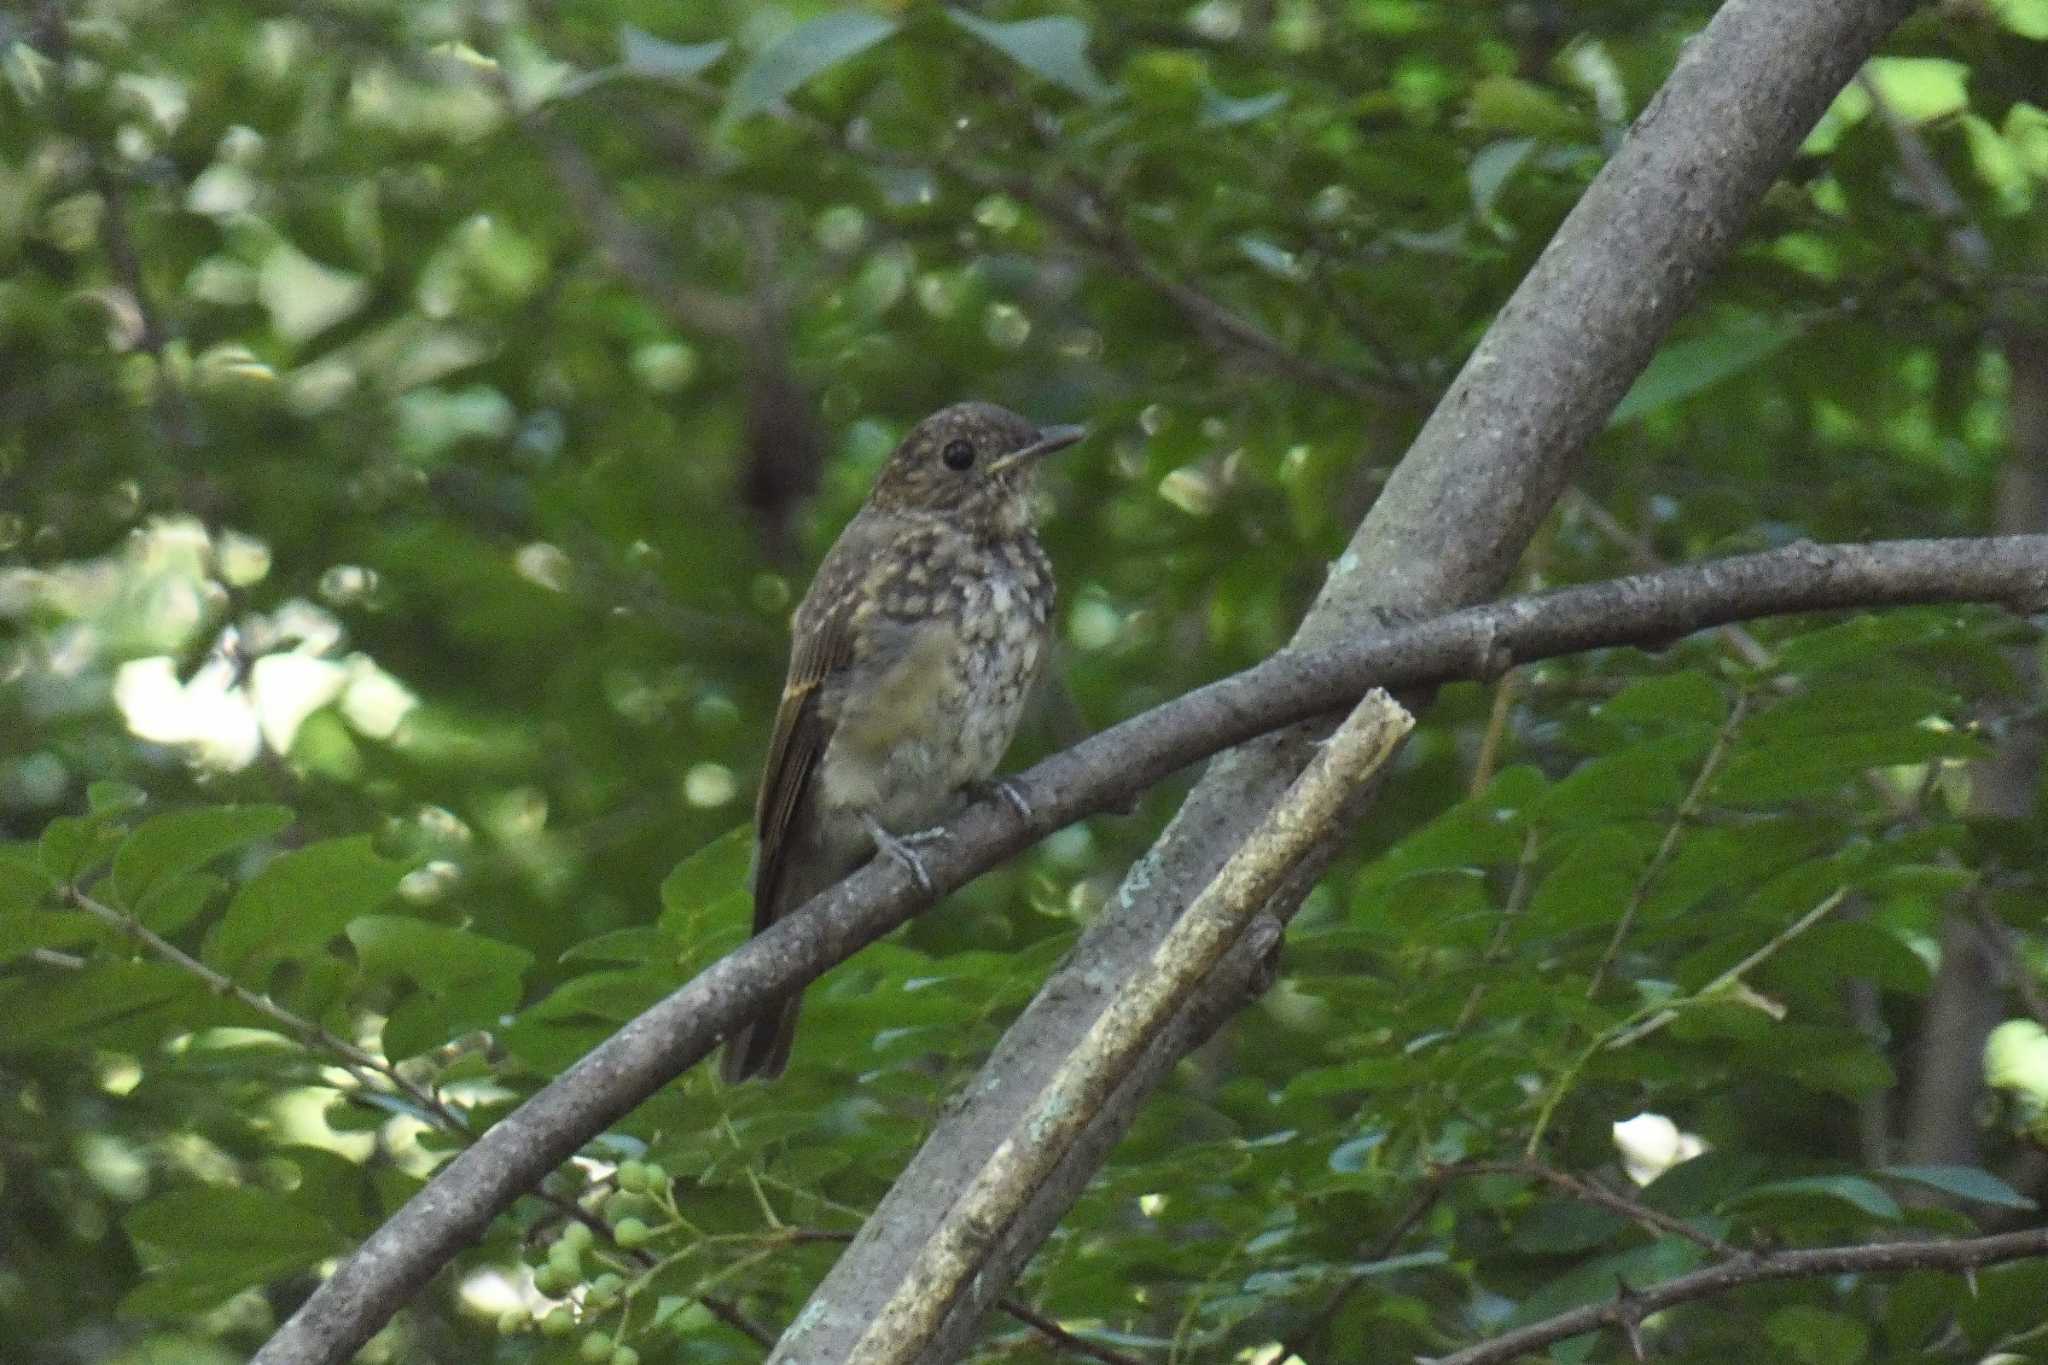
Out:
{"x": 1050, "y": 439}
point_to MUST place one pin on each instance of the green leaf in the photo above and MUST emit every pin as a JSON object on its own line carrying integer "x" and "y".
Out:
{"x": 1592, "y": 882}
{"x": 200, "y": 1246}
{"x": 177, "y": 903}
{"x": 165, "y": 848}
{"x": 1505, "y": 104}
{"x": 1055, "y": 47}
{"x": 646, "y": 55}
{"x": 1221, "y": 111}
{"x": 1964, "y": 1182}
{"x": 1597, "y": 1279}
{"x": 1690, "y": 696}
{"x": 1684, "y": 368}
{"x": 1477, "y": 832}
{"x": 1835, "y": 949}
{"x": 434, "y": 956}
{"x": 298, "y": 902}
{"x": 1814, "y": 1336}
{"x": 25, "y": 884}
{"x": 1348, "y": 1158}
{"x": 1646, "y": 779}
{"x": 1493, "y": 166}
{"x": 1555, "y": 1227}
{"x": 57, "y": 1008}
{"x": 1702, "y": 1184}
{"x": 73, "y": 845}
{"x": 1852, "y": 1190}
{"x": 705, "y": 878}
{"x": 1920, "y": 89}
{"x": 634, "y": 944}
{"x": 799, "y": 55}
{"x": 28, "y": 919}
{"x": 114, "y": 798}
{"x": 2028, "y": 18}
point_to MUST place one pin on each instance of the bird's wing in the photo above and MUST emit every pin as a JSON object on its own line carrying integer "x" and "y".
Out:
{"x": 822, "y": 644}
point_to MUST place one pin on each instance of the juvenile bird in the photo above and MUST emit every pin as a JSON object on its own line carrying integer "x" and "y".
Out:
{"x": 912, "y": 654}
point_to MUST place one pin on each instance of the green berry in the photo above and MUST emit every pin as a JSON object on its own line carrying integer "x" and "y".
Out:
{"x": 625, "y": 1355}
{"x": 512, "y": 1322}
{"x": 596, "y": 1347}
{"x": 632, "y": 1232}
{"x": 578, "y": 1235}
{"x": 559, "y": 1322}
{"x": 565, "y": 1260}
{"x": 627, "y": 1205}
{"x": 632, "y": 1177}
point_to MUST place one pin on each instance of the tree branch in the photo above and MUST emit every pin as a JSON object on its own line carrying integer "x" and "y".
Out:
{"x": 1628, "y": 1309}
{"x": 358, "y": 1061}
{"x": 1589, "y": 1192}
{"x": 1219, "y": 916}
{"x": 1667, "y": 848}
{"x": 1447, "y": 529}
{"x": 1102, "y": 773}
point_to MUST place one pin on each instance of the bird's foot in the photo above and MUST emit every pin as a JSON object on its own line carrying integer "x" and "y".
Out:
{"x": 901, "y": 849}
{"x": 1012, "y": 794}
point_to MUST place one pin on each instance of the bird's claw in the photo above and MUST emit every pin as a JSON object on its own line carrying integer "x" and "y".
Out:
{"x": 901, "y": 849}
{"x": 1012, "y": 794}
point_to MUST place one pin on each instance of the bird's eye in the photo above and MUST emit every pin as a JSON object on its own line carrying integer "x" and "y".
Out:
{"x": 958, "y": 454}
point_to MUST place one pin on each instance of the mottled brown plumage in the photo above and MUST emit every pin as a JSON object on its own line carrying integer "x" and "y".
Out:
{"x": 912, "y": 655}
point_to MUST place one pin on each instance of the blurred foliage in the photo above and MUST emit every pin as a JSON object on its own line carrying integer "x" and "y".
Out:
{"x": 416, "y": 420}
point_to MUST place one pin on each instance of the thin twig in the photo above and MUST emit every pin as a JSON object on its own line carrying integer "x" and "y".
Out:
{"x": 1060, "y": 1336}
{"x": 1588, "y": 1192}
{"x": 1648, "y": 1019}
{"x": 1688, "y": 810}
{"x": 1504, "y": 693}
{"x": 1080, "y": 213}
{"x": 731, "y": 1315}
{"x": 1296, "y": 1345}
{"x": 1740, "y": 642}
{"x": 53, "y": 35}
{"x": 1735, "y": 973}
{"x": 1937, "y": 194}
{"x": 1631, "y": 1306}
{"x": 305, "y": 1029}
{"x": 1519, "y": 892}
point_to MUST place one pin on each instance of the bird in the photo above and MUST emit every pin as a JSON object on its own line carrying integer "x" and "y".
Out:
{"x": 911, "y": 656}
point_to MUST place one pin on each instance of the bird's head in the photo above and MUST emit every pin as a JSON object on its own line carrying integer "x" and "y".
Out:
{"x": 972, "y": 461}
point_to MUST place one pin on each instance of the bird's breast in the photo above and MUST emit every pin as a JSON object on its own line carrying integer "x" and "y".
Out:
{"x": 944, "y": 659}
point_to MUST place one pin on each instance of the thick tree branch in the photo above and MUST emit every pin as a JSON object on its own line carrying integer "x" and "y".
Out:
{"x": 1628, "y": 1309}
{"x": 1447, "y": 529}
{"x": 1103, "y": 773}
{"x": 1219, "y": 916}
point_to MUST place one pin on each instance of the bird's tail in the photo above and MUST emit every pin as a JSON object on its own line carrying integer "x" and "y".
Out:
{"x": 760, "y": 1047}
